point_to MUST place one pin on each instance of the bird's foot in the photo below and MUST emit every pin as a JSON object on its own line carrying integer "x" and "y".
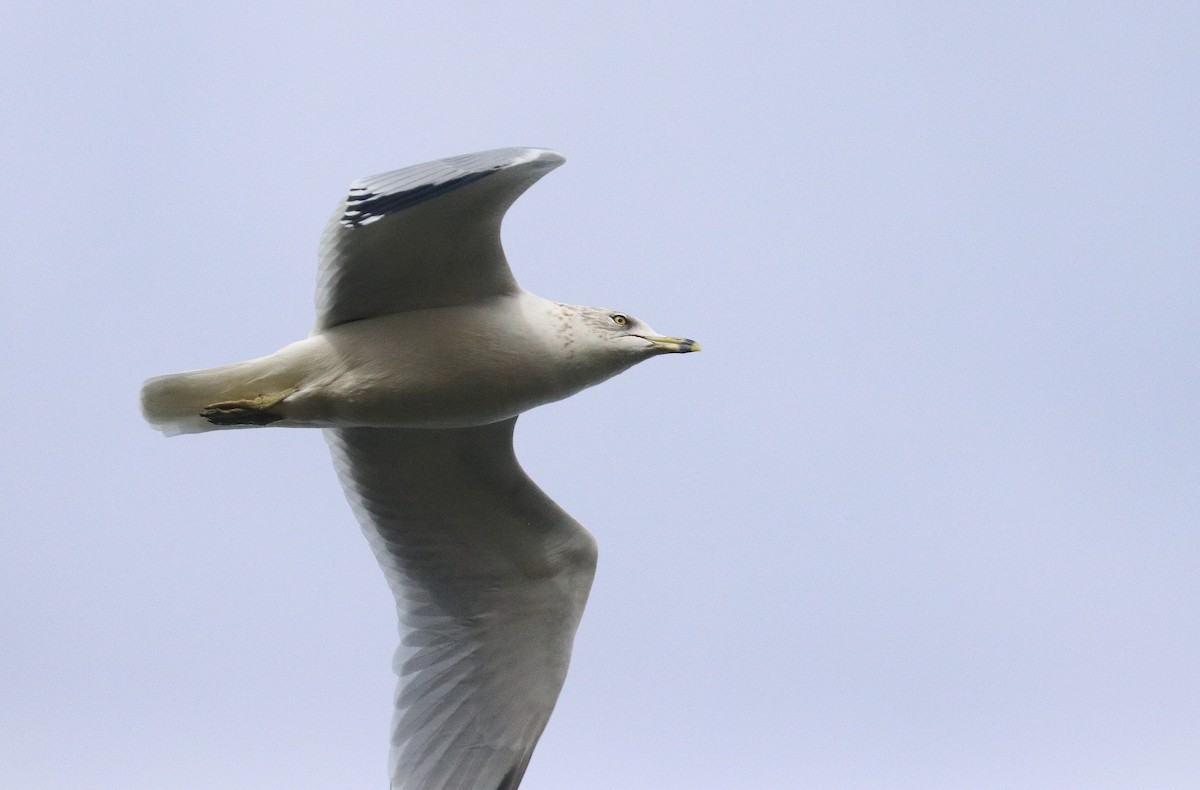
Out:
{"x": 252, "y": 411}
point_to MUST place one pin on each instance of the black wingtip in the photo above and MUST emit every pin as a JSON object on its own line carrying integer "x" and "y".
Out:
{"x": 363, "y": 208}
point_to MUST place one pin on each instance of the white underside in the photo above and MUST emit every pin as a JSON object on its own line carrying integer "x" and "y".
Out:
{"x": 441, "y": 368}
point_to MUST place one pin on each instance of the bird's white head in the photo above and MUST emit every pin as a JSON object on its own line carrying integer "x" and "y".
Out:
{"x": 613, "y": 338}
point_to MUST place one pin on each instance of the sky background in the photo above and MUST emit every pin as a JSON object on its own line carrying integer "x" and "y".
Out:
{"x": 924, "y": 513}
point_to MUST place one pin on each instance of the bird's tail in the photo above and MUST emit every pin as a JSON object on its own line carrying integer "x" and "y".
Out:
{"x": 173, "y": 403}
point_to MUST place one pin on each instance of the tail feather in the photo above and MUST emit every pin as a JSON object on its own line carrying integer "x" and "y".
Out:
{"x": 172, "y": 403}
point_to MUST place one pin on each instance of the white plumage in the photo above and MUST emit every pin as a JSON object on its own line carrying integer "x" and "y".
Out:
{"x": 424, "y": 352}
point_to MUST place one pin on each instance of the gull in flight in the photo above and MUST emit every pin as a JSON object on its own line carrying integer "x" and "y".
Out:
{"x": 424, "y": 352}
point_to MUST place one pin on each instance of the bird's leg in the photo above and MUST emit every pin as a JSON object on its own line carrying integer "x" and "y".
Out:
{"x": 251, "y": 411}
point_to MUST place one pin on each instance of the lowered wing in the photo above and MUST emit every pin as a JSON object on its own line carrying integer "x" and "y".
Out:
{"x": 490, "y": 578}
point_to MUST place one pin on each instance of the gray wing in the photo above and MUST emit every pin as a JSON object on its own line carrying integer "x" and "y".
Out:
{"x": 424, "y": 236}
{"x": 490, "y": 578}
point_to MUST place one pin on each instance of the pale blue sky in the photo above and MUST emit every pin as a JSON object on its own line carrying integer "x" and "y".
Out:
{"x": 924, "y": 513}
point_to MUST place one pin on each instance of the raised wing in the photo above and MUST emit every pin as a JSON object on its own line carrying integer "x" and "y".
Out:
{"x": 490, "y": 578}
{"x": 424, "y": 236}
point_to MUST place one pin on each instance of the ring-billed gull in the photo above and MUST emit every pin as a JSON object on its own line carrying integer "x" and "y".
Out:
{"x": 424, "y": 353}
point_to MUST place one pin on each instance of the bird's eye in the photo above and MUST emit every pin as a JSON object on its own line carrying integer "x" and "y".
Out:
{"x": 619, "y": 319}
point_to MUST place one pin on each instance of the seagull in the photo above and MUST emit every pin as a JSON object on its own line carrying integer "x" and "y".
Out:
{"x": 424, "y": 353}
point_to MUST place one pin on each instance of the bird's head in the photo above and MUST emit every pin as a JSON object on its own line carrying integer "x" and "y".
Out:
{"x": 622, "y": 338}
